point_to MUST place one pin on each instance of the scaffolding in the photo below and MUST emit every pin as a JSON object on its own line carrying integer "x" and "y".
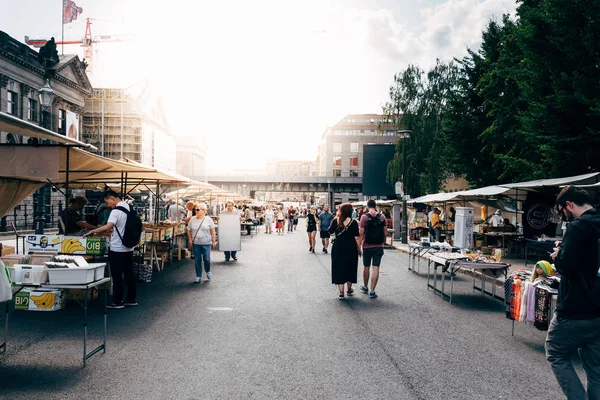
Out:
{"x": 113, "y": 124}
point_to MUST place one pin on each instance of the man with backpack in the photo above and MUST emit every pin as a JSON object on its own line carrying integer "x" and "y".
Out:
{"x": 127, "y": 230}
{"x": 373, "y": 231}
{"x": 576, "y": 322}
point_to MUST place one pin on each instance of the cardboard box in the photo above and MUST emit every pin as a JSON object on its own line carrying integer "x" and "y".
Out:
{"x": 7, "y": 250}
{"x": 40, "y": 300}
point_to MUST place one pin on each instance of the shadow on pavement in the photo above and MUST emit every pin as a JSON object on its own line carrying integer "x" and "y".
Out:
{"x": 39, "y": 377}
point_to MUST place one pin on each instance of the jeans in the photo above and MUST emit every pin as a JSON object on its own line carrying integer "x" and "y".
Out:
{"x": 565, "y": 337}
{"x": 201, "y": 253}
{"x": 290, "y": 224}
{"x": 121, "y": 270}
{"x": 229, "y": 254}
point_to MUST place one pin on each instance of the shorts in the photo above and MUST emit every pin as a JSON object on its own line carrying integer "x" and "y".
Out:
{"x": 311, "y": 228}
{"x": 279, "y": 224}
{"x": 324, "y": 234}
{"x": 373, "y": 253}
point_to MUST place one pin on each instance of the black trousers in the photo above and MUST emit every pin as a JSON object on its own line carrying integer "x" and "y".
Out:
{"x": 121, "y": 269}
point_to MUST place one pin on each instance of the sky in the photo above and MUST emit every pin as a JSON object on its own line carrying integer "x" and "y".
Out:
{"x": 262, "y": 79}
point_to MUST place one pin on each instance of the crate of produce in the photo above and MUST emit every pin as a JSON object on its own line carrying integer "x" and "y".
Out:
{"x": 40, "y": 299}
{"x": 31, "y": 274}
{"x": 71, "y": 276}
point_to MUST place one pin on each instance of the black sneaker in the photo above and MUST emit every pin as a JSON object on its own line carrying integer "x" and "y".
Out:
{"x": 325, "y": 251}
{"x": 234, "y": 258}
{"x": 115, "y": 305}
{"x": 130, "y": 303}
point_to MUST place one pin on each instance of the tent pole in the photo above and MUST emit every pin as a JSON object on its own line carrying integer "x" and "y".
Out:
{"x": 67, "y": 178}
{"x": 156, "y": 208}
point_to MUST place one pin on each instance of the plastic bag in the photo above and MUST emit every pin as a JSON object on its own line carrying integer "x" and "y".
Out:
{"x": 5, "y": 284}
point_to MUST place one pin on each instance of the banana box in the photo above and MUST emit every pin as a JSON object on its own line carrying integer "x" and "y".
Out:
{"x": 40, "y": 299}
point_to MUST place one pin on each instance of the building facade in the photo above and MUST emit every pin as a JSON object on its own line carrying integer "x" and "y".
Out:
{"x": 290, "y": 168}
{"x": 22, "y": 75}
{"x": 130, "y": 123}
{"x": 341, "y": 147}
{"x": 191, "y": 157}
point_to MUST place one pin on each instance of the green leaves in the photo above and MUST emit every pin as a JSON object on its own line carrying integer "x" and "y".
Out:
{"x": 525, "y": 105}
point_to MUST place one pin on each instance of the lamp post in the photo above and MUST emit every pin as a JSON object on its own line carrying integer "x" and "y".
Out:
{"x": 46, "y": 95}
{"x": 404, "y": 134}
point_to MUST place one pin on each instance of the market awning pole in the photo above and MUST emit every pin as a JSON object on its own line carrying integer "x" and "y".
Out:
{"x": 67, "y": 178}
{"x": 122, "y": 191}
{"x": 156, "y": 212}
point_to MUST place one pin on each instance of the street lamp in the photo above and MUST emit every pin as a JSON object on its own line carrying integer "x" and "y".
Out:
{"x": 404, "y": 134}
{"x": 46, "y": 95}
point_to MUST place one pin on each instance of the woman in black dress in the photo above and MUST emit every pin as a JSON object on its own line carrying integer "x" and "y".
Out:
{"x": 311, "y": 228}
{"x": 345, "y": 250}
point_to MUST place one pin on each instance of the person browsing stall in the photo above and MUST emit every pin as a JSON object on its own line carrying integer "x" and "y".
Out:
{"x": 70, "y": 218}
{"x": 575, "y": 325}
{"x": 120, "y": 257}
{"x": 201, "y": 234}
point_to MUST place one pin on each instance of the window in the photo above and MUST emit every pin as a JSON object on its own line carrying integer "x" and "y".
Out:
{"x": 11, "y": 103}
{"x": 62, "y": 121}
{"x": 10, "y": 139}
{"x": 337, "y": 147}
{"x": 337, "y": 161}
{"x": 32, "y": 110}
{"x": 354, "y": 161}
{"x": 337, "y": 172}
{"x": 354, "y": 147}
{"x": 353, "y": 173}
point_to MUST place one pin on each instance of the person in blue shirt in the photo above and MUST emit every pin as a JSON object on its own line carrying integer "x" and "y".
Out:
{"x": 325, "y": 219}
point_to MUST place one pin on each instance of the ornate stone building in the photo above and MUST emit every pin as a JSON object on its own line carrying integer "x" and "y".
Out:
{"x": 23, "y": 72}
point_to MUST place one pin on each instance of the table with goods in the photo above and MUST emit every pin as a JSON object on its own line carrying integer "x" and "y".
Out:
{"x": 450, "y": 263}
{"x": 42, "y": 282}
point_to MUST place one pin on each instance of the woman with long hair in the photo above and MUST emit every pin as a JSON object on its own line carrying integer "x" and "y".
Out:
{"x": 311, "y": 228}
{"x": 345, "y": 250}
{"x": 280, "y": 221}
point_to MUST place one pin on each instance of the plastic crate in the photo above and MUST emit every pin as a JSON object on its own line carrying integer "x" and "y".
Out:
{"x": 76, "y": 276}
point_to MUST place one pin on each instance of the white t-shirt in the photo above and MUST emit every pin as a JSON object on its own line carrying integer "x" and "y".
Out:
{"x": 119, "y": 219}
{"x": 269, "y": 215}
{"x": 203, "y": 227}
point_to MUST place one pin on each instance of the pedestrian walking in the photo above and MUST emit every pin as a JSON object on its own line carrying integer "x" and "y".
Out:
{"x": 345, "y": 250}
{"x": 325, "y": 219}
{"x": 576, "y": 322}
{"x": 229, "y": 210}
{"x": 120, "y": 258}
{"x": 280, "y": 221}
{"x": 176, "y": 212}
{"x": 269, "y": 216}
{"x": 311, "y": 228}
{"x": 291, "y": 215}
{"x": 373, "y": 231}
{"x": 202, "y": 236}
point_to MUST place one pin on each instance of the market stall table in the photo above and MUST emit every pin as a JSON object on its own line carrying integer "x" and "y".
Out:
{"x": 541, "y": 246}
{"x": 67, "y": 287}
{"x": 417, "y": 251}
{"x": 452, "y": 262}
{"x": 253, "y": 227}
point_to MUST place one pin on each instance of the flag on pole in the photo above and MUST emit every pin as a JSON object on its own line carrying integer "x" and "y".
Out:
{"x": 70, "y": 11}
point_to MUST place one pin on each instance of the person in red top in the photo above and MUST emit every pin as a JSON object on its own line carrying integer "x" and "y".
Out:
{"x": 291, "y": 216}
{"x": 373, "y": 231}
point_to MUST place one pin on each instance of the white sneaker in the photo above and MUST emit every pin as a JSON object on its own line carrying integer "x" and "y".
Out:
{"x": 197, "y": 280}
{"x": 208, "y": 275}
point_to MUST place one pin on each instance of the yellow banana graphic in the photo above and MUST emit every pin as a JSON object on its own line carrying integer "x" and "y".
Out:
{"x": 45, "y": 300}
{"x": 56, "y": 239}
{"x": 71, "y": 245}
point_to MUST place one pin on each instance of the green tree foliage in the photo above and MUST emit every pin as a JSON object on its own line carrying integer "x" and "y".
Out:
{"x": 525, "y": 105}
{"x": 417, "y": 100}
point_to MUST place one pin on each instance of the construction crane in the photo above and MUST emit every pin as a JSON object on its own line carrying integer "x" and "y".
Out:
{"x": 87, "y": 42}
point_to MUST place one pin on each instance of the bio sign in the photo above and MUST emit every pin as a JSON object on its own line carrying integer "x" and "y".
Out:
{"x": 65, "y": 244}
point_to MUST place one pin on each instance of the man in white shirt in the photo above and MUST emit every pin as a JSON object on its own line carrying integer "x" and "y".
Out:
{"x": 119, "y": 256}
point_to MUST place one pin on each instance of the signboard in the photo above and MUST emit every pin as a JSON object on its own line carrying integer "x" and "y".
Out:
{"x": 55, "y": 244}
{"x": 72, "y": 125}
{"x": 399, "y": 189}
{"x": 229, "y": 232}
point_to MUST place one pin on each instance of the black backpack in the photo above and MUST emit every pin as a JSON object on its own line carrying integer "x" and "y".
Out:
{"x": 133, "y": 228}
{"x": 374, "y": 230}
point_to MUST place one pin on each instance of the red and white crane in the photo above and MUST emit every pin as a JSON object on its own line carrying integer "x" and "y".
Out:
{"x": 87, "y": 42}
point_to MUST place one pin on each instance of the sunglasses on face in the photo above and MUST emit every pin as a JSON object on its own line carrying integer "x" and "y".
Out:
{"x": 198, "y": 209}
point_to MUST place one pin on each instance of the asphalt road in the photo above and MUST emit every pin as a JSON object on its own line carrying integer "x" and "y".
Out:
{"x": 271, "y": 326}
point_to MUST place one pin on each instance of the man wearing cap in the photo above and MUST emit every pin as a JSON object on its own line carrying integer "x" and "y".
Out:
{"x": 576, "y": 322}
{"x": 70, "y": 220}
